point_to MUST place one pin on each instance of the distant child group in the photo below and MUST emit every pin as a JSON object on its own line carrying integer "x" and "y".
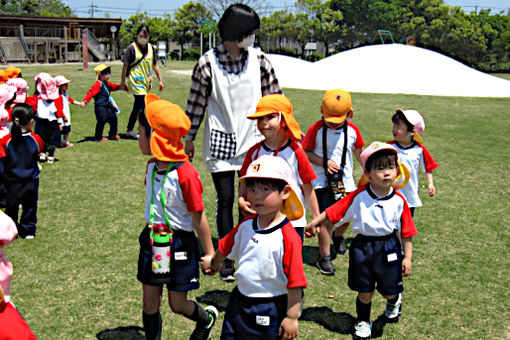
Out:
{"x": 280, "y": 175}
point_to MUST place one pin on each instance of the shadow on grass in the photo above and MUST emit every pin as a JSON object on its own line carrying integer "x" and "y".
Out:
{"x": 342, "y": 322}
{"x": 217, "y": 298}
{"x": 311, "y": 254}
{"x": 122, "y": 333}
{"x": 86, "y": 139}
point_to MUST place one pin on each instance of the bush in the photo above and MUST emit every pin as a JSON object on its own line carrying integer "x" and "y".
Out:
{"x": 191, "y": 54}
{"x": 314, "y": 56}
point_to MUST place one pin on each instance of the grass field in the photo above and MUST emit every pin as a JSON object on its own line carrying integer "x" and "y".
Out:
{"x": 76, "y": 279}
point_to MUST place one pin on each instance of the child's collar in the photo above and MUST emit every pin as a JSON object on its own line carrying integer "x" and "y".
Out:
{"x": 277, "y": 223}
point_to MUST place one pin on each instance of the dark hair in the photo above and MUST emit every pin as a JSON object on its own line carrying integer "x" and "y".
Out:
{"x": 22, "y": 114}
{"x": 399, "y": 116}
{"x": 276, "y": 184}
{"x": 10, "y": 101}
{"x": 36, "y": 91}
{"x": 382, "y": 158}
{"x": 237, "y": 22}
{"x": 143, "y": 28}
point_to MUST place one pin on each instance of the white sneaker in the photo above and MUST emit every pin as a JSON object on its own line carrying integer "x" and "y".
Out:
{"x": 363, "y": 330}
{"x": 29, "y": 237}
{"x": 42, "y": 157}
{"x": 50, "y": 159}
{"x": 393, "y": 311}
{"x": 132, "y": 134}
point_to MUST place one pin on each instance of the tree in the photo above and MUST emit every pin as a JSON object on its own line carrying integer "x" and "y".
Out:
{"x": 188, "y": 23}
{"x": 217, "y": 7}
{"x": 53, "y": 8}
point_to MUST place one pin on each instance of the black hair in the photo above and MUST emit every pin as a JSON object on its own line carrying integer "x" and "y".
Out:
{"x": 36, "y": 91}
{"x": 382, "y": 159}
{"x": 276, "y": 184}
{"x": 237, "y": 22}
{"x": 399, "y": 116}
{"x": 143, "y": 28}
{"x": 10, "y": 101}
{"x": 22, "y": 114}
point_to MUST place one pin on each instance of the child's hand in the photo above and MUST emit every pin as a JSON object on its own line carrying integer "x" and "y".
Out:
{"x": 205, "y": 264}
{"x": 407, "y": 267}
{"x": 82, "y": 104}
{"x": 215, "y": 265}
{"x": 289, "y": 328}
{"x": 432, "y": 190}
{"x": 311, "y": 230}
{"x": 245, "y": 207}
{"x": 332, "y": 167}
{"x": 59, "y": 127}
{"x": 161, "y": 86}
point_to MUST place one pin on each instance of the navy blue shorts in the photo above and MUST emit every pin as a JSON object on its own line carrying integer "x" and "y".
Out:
{"x": 184, "y": 271}
{"x": 253, "y": 318}
{"x": 376, "y": 260}
{"x": 65, "y": 129}
{"x": 325, "y": 198}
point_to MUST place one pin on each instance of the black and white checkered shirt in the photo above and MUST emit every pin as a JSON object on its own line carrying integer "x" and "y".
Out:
{"x": 201, "y": 83}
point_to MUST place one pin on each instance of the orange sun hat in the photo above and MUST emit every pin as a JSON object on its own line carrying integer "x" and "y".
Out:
{"x": 170, "y": 124}
{"x": 336, "y": 106}
{"x": 278, "y": 103}
{"x": 13, "y": 72}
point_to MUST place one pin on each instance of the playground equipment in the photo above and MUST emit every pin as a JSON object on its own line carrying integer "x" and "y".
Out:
{"x": 162, "y": 52}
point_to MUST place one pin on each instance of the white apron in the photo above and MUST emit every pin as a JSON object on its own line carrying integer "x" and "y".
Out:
{"x": 228, "y": 133}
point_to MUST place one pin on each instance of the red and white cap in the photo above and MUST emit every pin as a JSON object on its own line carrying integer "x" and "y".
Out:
{"x": 373, "y": 148}
{"x": 268, "y": 166}
{"x": 47, "y": 86}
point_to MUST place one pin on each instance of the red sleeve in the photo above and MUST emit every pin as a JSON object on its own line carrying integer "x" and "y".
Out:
{"x": 249, "y": 158}
{"x": 227, "y": 242}
{"x": 359, "y": 140}
{"x": 305, "y": 168}
{"x": 95, "y": 89}
{"x": 430, "y": 163}
{"x": 191, "y": 187}
{"x": 9, "y": 112}
{"x": 293, "y": 258}
{"x": 39, "y": 141}
{"x": 71, "y": 100}
{"x": 408, "y": 228}
{"x": 311, "y": 136}
{"x": 32, "y": 101}
{"x": 338, "y": 210}
{"x": 59, "y": 104}
{"x": 152, "y": 160}
{"x": 3, "y": 144}
{"x": 113, "y": 86}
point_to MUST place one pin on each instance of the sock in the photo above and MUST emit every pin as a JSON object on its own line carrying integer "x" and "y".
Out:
{"x": 363, "y": 310}
{"x": 199, "y": 315}
{"x": 394, "y": 300}
{"x": 152, "y": 325}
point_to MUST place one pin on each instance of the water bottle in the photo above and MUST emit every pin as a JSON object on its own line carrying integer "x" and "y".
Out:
{"x": 161, "y": 251}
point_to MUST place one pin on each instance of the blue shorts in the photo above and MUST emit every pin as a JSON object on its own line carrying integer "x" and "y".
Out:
{"x": 376, "y": 260}
{"x": 253, "y": 318}
{"x": 325, "y": 198}
{"x": 65, "y": 129}
{"x": 184, "y": 272}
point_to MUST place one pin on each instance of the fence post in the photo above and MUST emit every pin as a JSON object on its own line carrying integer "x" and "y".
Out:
{"x": 85, "y": 49}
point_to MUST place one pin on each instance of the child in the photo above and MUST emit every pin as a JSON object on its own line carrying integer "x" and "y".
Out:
{"x": 19, "y": 152}
{"x": 337, "y": 138}
{"x": 63, "y": 85}
{"x": 173, "y": 209}
{"x": 407, "y": 125}
{"x": 380, "y": 220}
{"x": 7, "y": 96}
{"x": 270, "y": 275}
{"x": 104, "y": 107}
{"x": 277, "y": 124}
{"x": 49, "y": 114}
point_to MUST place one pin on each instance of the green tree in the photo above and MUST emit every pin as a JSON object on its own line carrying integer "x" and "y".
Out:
{"x": 53, "y": 8}
{"x": 188, "y": 23}
{"x": 217, "y": 7}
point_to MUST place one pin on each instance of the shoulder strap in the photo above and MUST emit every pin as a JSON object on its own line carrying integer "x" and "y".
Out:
{"x": 136, "y": 62}
{"x": 325, "y": 148}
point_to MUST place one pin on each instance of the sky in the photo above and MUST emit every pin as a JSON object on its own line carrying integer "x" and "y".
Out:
{"x": 125, "y": 8}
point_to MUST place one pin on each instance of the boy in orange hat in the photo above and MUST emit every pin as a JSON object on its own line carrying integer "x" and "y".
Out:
{"x": 276, "y": 122}
{"x": 174, "y": 209}
{"x": 338, "y": 139}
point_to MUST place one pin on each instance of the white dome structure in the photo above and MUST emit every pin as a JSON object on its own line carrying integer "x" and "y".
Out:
{"x": 389, "y": 68}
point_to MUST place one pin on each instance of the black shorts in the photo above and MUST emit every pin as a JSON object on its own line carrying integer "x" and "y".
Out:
{"x": 184, "y": 269}
{"x": 376, "y": 260}
{"x": 253, "y": 318}
{"x": 66, "y": 129}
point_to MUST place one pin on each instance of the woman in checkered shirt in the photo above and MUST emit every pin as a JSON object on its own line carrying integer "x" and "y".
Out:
{"x": 228, "y": 81}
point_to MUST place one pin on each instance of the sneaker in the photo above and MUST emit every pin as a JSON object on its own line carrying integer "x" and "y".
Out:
{"x": 42, "y": 157}
{"x": 227, "y": 271}
{"x": 339, "y": 245}
{"x": 325, "y": 265}
{"x": 393, "y": 311}
{"x": 102, "y": 140}
{"x": 50, "y": 159}
{"x": 67, "y": 144}
{"x": 29, "y": 237}
{"x": 116, "y": 137}
{"x": 132, "y": 134}
{"x": 363, "y": 330}
{"x": 202, "y": 333}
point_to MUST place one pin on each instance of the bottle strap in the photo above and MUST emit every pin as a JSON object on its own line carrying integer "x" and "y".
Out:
{"x": 170, "y": 167}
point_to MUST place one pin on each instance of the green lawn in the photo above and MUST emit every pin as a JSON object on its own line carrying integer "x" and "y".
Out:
{"x": 77, "y": 277}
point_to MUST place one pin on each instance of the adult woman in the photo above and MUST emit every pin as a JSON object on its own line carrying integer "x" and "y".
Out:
{"x": 140, "y": 58}
{"x": 229, "y": 80}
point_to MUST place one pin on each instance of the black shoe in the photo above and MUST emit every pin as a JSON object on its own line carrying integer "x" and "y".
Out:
{"x": 227, "y": 271}
{"x": 325, "y": 265}
{"x": 339, "y": 245}
{"x": 202, "y": 332}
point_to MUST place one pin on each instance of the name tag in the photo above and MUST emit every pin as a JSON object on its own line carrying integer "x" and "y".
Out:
{"x": 263, "y": 320}
{"x": 180, "y": 256}
{"x": 392, "y": 257}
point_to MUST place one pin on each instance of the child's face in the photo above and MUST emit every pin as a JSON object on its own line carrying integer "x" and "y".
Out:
{"x": 401, "y": 133}
{"x": 104, "y": 76}
{"x": 265, "y": 199}
{"x": 383, "y": 176}
{"x": 64, "y": 87}
{"x": 270, "y": 125}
